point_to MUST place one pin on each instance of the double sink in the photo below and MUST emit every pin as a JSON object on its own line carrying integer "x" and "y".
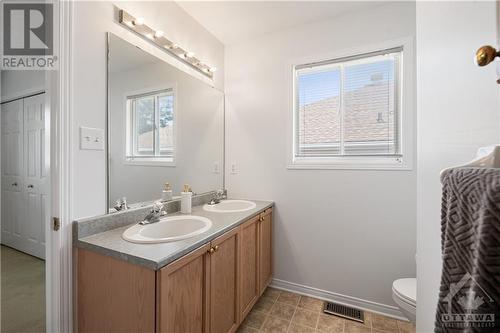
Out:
{"x": 179, "y": 227}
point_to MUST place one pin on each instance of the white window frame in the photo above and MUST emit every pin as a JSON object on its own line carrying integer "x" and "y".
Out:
{"x": 129, "y": 137}
{"x": 405, "y": 112}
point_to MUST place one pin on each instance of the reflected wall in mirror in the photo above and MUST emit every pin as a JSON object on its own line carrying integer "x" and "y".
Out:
{"x": 164, "y": 125}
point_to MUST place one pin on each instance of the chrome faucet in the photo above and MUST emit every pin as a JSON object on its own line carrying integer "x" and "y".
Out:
{"x": 218, "y": 196}
{"x": 155, "y": 214}
{"x": 121, "y": 204}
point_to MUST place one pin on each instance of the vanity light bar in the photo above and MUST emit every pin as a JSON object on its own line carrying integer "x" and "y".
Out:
{"x": 137, "y": 25}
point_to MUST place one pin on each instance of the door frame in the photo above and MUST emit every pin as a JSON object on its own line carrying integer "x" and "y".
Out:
{"x": 59, "y": 307}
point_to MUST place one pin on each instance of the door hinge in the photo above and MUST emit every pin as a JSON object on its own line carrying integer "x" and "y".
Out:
{"x": 56, "y": 223}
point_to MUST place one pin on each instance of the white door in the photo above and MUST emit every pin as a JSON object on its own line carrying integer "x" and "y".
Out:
{"x": 12, "y": 164}
{"x": 35, "y": 175}
{"x": 24, "y": 176}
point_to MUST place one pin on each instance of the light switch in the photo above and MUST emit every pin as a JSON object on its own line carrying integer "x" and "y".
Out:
{"x": 91, "y": 138}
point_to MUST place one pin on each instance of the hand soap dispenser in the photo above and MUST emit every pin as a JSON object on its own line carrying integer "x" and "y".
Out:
{"x": 186, "y": 200}
{"x": 166, "y": 194}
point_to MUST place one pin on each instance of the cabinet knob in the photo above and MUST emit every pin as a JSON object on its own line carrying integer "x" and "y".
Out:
{"x": 30, "y": 186}
{"x": 14, "y": 184}
{"x": 212, "y": 250}
{"x": 261, "y": 219}
{"x": 216, "y": 248}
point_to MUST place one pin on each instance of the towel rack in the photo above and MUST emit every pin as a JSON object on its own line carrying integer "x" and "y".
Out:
{"x": 486, "y": 157}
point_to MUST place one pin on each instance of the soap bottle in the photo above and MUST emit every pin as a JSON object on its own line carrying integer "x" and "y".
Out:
{"x": 186, "y": 201}
{"x": 166, "y": 194}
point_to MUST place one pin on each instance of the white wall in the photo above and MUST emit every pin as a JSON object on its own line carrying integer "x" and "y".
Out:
{"x": 15, "y": 84}
{"x": 91, "y": 22}
{"x": 199, "y": 125}
{"x": 349, "y": 232}
{"x": 458, "y": 111}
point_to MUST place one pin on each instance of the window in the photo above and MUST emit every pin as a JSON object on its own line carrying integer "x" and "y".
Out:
{"x": 348, "y": 111}
{"x": 151, "y": 127}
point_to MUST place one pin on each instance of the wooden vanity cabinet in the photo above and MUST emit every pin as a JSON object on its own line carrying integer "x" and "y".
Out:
{"x": 249, "y": 265}
{"x": 255, "y": 259}
{"x": 265, "y": 249}
{"x": 224, "y": 275}
{"x": 182, "y": 294}
{"x": 113, "y": 295}
{"x": 209, "y": 290}
{"x": 199, "y": 292}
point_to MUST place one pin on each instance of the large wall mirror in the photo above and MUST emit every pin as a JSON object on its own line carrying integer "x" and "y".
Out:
{"x": 164, "y": 126}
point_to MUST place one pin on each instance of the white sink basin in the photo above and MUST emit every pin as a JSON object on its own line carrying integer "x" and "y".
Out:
{"x": 230, "y": 206}
{"x": 168, "y": 229}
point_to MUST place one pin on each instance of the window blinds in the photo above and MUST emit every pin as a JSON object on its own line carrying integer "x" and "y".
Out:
{"x": 349, "y": 106}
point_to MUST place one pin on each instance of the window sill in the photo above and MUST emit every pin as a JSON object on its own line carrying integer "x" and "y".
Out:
{"x": 166, "y": 162}
{"x": 349, "y": 163}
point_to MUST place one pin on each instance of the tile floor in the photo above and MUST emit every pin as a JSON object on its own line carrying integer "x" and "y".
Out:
{"x": 282, "y": 311}
{"x": 22, "y": 292}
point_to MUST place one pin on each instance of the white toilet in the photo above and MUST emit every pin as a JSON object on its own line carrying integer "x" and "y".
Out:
{"x": 404, "y": 293}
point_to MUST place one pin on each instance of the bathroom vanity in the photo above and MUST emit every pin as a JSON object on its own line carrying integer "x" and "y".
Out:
{"x": 207, "y": 283}
{"x": 136, "y": 270}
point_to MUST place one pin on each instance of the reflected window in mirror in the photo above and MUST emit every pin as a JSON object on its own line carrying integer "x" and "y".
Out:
{"x": 151, "y": 127}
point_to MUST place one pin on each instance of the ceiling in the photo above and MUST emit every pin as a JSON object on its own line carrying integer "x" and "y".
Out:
{"x": 234, "y": 21}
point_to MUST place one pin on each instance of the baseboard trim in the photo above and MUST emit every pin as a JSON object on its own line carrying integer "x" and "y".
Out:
{"x": 383, "y": 309}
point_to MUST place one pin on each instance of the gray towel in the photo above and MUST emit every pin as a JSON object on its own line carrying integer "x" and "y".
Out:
{"x": 469, "y": 297}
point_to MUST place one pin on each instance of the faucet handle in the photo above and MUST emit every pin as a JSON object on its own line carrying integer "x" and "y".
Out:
{"x": 124, "y": 203}
{"x": 221, "y": 194}
{"x": 119, "y": 205}
{"x": 157, "y": 207}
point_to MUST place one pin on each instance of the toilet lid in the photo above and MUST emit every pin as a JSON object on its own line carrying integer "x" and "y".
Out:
{"x": 406, "y": 289}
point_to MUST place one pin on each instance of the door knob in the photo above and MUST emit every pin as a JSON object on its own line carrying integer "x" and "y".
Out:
{"x": 486, "y": 54}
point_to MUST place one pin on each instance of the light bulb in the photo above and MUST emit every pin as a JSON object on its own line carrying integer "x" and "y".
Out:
{"x": 158, "y": 34}
{"x": 213, "y": 69}
{"x": 182, "y": 56}
{"x": 189, "y": 54}
{"x": 150, "y": 36}
{"x": 139, "y": 21}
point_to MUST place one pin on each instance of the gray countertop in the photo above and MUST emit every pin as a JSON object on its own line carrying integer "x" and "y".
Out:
{"x": 156, "y": 256}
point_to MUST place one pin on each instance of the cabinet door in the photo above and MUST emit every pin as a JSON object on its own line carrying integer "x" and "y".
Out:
{"x": 182, "y": 294}
{"x": 35, "y": 175}
{"x": 265, "y": 249}
{"x": 249, "y": 265}
{"x": 224, "y": 274}
{"x": 113, "y": 296}
{"x": 12, "y": 172}
{"x": 24, "y": 177}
